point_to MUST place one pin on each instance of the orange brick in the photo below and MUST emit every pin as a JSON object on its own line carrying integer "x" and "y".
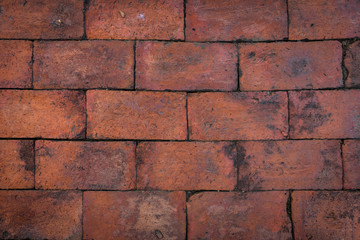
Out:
{"x": 290, "y": 65}
{"x": 352, "y": 63}
{"x": 351, "y": 155}
{"x": 134, "y": 215}
{"x": 47, "y": 114}
{"x": 84, "y": 64}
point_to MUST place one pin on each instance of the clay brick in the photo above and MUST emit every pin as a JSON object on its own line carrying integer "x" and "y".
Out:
{"x": 186, "y": 165}
{"x": 208, "y": 20}
{"x": 41, "y": 19}
{"x": 186, "y": 66}
{"x": 352, "y": 63}
{"x": 290, "y": 65}
{"x": 136, "y": 115}
{"x": 128, "y": 19}
{"x": 289, "y": 165}
{"x": 234, "y": 215}
{"x": 323, "y": 19}
{"x": 40, "y": 215}
{"x": 134, "y": 215}
{"x": 351, "y": 155}
{"x": 85, "y": 165}
{"x": 325, "y": 114}
{"x": 16, "y": 164}
{"x": 15, "y": 64}
{"x": 326, "y": 215}
{"x": 84, "y": 64}
{"x": 237, "y": 116}
{"x": 46, "y": 114}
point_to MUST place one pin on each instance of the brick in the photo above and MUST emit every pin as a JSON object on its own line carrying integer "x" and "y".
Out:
{"x": 289, "y": 165}
{"x": 40, "y": 215}
{"x": 134, "y": 215}
{"x": 186, "y": 165}
{"x": 42, "y": 114}
{"x": 235, "y": 215}
{"x": 84, "y": 64}
{"x": 136, "y": 115}
{"x": 325, "y": 114}
{"x": 352, "y": 63}
{"x": 41, "y": 19}
{"x": 16, "y": 164}
{"x": 186, "y": 66}
{"x": 323, "y": 19}
{"x": 351, "y": 155}
{"x": 237, "y": 116}
{"x": 15, "y": 64}
{"x": 208, "y": 20}
{"x": 85, "y": 165}
{"x": 326, "y": 215}
{"x": 137, "y": 19}
{"x": 290, "y": 65}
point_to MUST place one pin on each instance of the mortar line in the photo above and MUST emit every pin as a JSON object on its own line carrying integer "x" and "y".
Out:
{"x": 342, "y": 164}
{"x": 289, "y": 213}
{"x": 239, "y": 72}
{"x": 136, "y": 165}
{"x": 184, "y": 8}
{"x": 345, "y": 71}
{"x": 84, "y": 37}
{"x": 288, "y": 19}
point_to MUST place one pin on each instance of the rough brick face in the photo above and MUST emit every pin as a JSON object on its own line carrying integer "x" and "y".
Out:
{"x": 291, "y": 65}
{"x": 351, "y": 155}
{"x": 352, "y": 63}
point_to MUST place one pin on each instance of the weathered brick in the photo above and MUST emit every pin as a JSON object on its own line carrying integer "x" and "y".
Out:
{"x": 47, "y": 114}
{"x": 352, "y": 63}
{"x": 325, "y": 114}
{"x": 136, "y": 115}
{"x": 323, "y": 19}
{"x": 137, "y": 19}
{"x": 186, "y": 66}
{"x": 84, "y": 64}
{"x": 351, "y": 155}
{"x": 208, "y": 20}
{"x": 16, "y": 164}
{"x": 234, "y": 215}
{"x": 328, "y": 215}
{"x": 289, "y": 165}
{"x": 85, "y": 165}
{"x": 134, "y": 215}
{"x": 290, "y": 65}
{"x": 40, "y": 215}
{"x": 237, "y": 116}
{"x": 186, "y": 165}
{"x": 41, "y": 19}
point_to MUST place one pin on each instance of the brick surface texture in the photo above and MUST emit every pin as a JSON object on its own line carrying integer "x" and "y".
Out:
{"x": 180, "y": 119}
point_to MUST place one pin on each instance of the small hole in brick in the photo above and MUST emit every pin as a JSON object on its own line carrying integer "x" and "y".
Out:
{"x": 193, "y": 29}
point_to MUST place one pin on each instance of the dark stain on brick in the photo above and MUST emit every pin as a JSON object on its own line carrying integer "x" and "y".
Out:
{"x": 231, "y": 152}
{"x": 159, "y": 234}
{"x": 26, "y": 153}
{"x": 250, "y": 182}
{"x": 299, "y": 66}
{"x": 251, "y": 55}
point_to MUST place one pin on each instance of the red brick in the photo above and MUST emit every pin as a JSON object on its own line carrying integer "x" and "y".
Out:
{"x": 234, "y": 215}
{"x": 326, "y": 215}
{"x": 352, "y": 63}
{"x": 323, "y": 19}
{"x": 290, "y": 165}
{"x": 85, "y": 165}
{"x": 325, "y": 114}
{"x": 84, "y": 64}
{"x": 128, "y": 19}
{"x": 15, "y": 64}
{"x": 208, "y": 20}
{"x": 290, "y": 65}
{"x": 16, "y": 164}
{"x": 134, "y": 215}
{"x": 47, "y": 114}
{"x": 351, "y": 155}
{"x": 237, "y": 116}
{"x": 186, "y": 165}
{"x": 41, "y": 19}
{"x": 186, "y": 66}
{"x": 136, "y": 115}
{"x": 40, "y": 215}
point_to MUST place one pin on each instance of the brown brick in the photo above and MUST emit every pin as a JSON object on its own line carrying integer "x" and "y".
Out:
{"x": 128, "y": 19}
{"x": 323, "y": 19}
{"x": 290, "y": 65}
{"x": 352, "y": 63}
{"x": 136, "y": 115}
{"x": 325, "y": 114}
{"x": 237, "y": 116}
{"x": 208, "y": 20}
{"x": 40, "y": 215}
{"x": 134, "y": 215}
{"x": 186, "y": 66}
{"x": 234, "y": 215}
{"x": 85, "y": 165}
{"x": 351, "y": 155}
{"x": 84, "y": 64}
{"x": 41, "y": 19}
{"x": 47, "y": 114}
